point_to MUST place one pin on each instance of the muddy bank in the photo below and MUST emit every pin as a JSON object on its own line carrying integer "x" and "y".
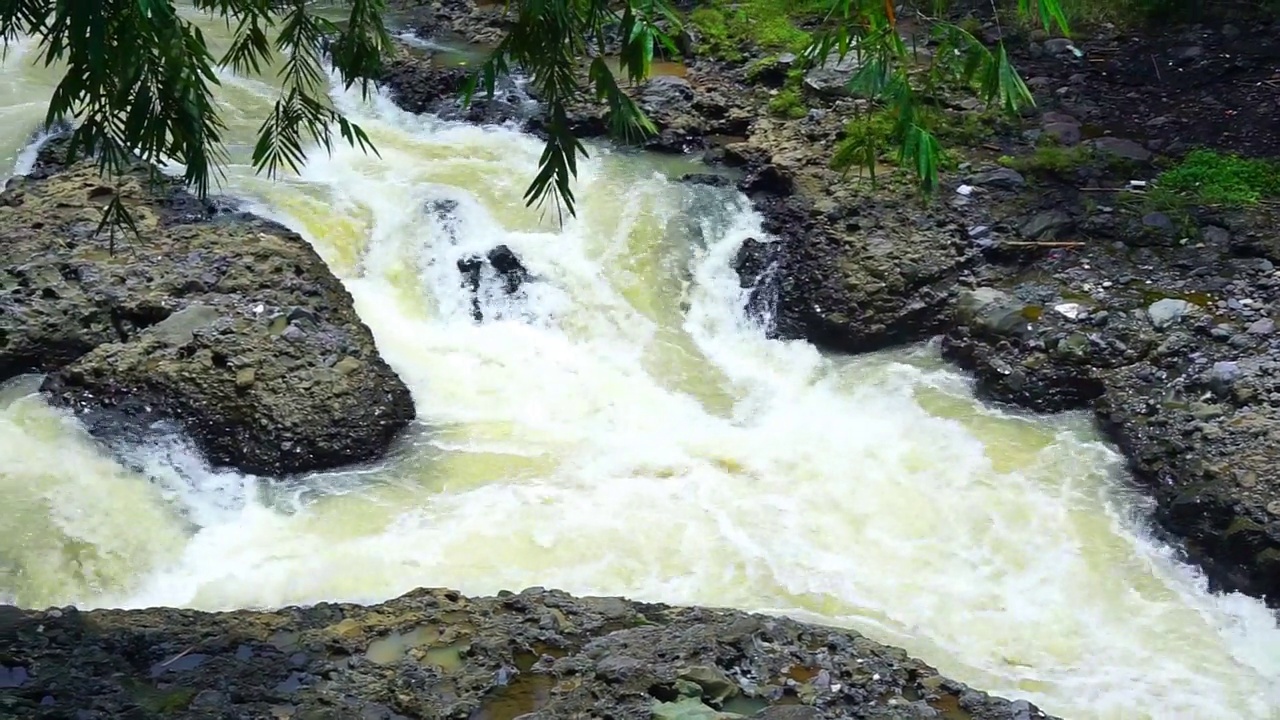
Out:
{"x": 223, "y": 324}
{"x": 437, "y": 654}
{"x": 1056, "y": 292}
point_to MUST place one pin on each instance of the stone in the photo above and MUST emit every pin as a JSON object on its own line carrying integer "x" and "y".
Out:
{"x": 1222, "y": 375}
{"x": 788, "y": 712}
{"x": 132, "y": 347}
{"x": 1047, "y": 225}
{"x": 1274, "y": 508}
{"x": 1122, "y": 148}
{"x": 1059, "y": 46}
{"x": 994, "y": 311}
{"x": 1160, "y": 223}
{"x": 245, "y": 378}
{"x": 179, "y": 328}
{"x": 832, "y": 78}
{"x": 1167, "y": 311}
{"x": 1215, "y": 235}
{"x": 716, "y": 687}
{"x": 1003, "y": 178}
{"x": 666, "y": 95}
{"x": 1065, "y": 134}
{"x": 1265, "y": 326}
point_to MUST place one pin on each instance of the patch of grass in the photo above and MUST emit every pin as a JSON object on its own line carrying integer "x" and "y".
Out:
{"x": 1206, "y": 177}
{"x": 727, "y": 27}
{"x": 1049, "y": 159}
{"x": 788, "y": 103}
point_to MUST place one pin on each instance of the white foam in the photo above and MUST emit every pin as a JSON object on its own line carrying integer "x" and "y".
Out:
{"x": 597, "y": 438}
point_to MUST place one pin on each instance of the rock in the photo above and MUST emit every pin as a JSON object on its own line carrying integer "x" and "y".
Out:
{"x": 129, "y": 340}
{"x": 507, "y": 268}
{"x": 788, "y": 712}
{"x": 179, "y": 328}
{"x": 1003, "y": 178}
{"x": 851, "y": 289}
{"x": 260, "y": 664}
{"x": 1059, "y": 46}
{"x": 1047, "y": 225}
{"x": 993, "y": 311}
{"x": 1119, "y": 148}
{"x": 832, "y": 78}
{"x": 1265, "y": 326}
{"x": 1216, "y": 235}
{"x": 708, "y": 179}
{"x": 716, "y": 687}
{"x": 1167, "y": 311}
{"x": 666, "y": 95}
{"x": 1160, "y": 223}
{"x": 1065, "y": 134}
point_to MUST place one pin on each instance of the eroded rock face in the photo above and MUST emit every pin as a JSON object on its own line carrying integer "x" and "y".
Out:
{"x": 856, "y": 282}
{"x": 437, "y": 654}
{"x": 1180, "y": 366}
{"x": 231, "y": 326}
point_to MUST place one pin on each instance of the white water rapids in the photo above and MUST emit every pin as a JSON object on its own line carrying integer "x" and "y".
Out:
{"x": 623, "y": 429}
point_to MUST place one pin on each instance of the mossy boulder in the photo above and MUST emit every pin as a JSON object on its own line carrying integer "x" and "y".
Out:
{"x": 228, "y": 325}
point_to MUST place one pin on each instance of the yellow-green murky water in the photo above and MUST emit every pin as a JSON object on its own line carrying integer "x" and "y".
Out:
{"x": 621, "y": 429}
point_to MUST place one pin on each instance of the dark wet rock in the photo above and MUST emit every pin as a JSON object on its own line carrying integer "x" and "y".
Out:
{"x": 1160, "y": 223}
{"x": 601, "y": 657}
{"x": 709, "y": 179}
{"x": 1047, "y": 225}
{"x": 228, "y": 325}
{"x": 852, "y": 288}
{"x": 509, "y": 272}
{"x": 1066, "y": 134}
{"x": 1002, "y": 178}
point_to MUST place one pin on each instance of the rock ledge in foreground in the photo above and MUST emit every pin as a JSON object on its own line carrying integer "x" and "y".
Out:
{"x": 228, "y": 324}
{"x": 436, "y": 654}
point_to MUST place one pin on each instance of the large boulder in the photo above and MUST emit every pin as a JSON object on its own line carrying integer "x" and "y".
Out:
{"x": 437, "y": 654}
{"x": 855, "y": 279}
{"x": 229, "y": 326}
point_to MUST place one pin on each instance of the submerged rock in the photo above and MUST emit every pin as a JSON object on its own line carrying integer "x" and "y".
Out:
{"x": 505, "y": 263}
{"x": 437, "y": 654}
{"x": 231, "y": 326}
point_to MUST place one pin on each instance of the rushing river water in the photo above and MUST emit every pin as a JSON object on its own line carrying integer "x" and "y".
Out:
{"x": 622, "y": 429}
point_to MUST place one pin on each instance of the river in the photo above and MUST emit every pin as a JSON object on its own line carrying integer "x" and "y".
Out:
{"x": 622, "y": 428}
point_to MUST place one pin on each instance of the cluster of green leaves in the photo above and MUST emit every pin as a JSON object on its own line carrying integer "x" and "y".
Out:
{"x": 547, "y": 40}
{"x": 140, "y": 78}
{"x": 1210, "y": 178}
{"x": 887, "y": 75}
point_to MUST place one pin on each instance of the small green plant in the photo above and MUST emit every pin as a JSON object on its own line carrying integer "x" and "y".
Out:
{"x": 1211, "y": 178}
{"x": 1050, "y": 159}
{"x": 868, "y": 140}
{"x": 788, "y": 103}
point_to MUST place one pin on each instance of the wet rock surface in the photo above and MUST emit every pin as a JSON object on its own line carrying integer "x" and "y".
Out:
{"x": 437, "y": 654}
{"x": 228, "y": 325}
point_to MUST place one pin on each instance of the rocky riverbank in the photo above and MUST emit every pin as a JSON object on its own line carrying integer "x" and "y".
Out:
{"x": 437, "y": 654}
{"x": 220, "y": 323}
{"x": 1048, "y": 277}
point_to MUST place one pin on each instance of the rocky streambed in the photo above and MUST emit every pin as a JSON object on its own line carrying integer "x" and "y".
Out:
{"x": 237, "y": 331}
{"x": 437, "y": 654}
{"x": 1054, "y": 284}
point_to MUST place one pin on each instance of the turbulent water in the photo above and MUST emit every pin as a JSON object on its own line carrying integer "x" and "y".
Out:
{"x": 621, "y": 428}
